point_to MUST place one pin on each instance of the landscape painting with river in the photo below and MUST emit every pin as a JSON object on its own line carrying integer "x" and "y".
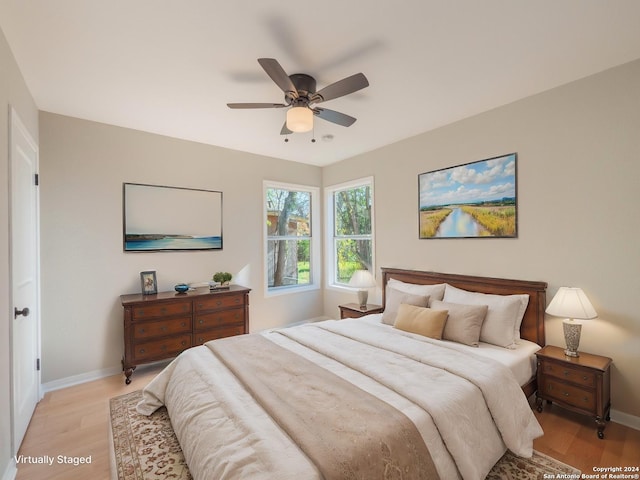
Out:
{"x": 476, "y": 199}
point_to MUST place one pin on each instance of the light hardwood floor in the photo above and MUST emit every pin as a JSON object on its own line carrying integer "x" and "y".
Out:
{"x": 74, "y": 422}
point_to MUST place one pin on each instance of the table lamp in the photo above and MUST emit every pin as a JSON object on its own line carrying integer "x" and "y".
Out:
{"x": 571, "y": 303}
{"x": 362, "y": 280}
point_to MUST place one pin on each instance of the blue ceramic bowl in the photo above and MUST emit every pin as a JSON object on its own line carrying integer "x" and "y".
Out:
{"x": 181, "y": 287}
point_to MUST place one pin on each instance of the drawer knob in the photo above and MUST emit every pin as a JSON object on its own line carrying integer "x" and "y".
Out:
{"x": 201, "y": 322}
{"x": 199, "y": 305}
{"x": 566, "y": 394}
{"x": 585, "y": 378}
{"x": 184, "y": 343}
{"x": 218, "y": 303}
{"x": 141, "y": 312}
{"x": 163, "y": 310}
{"x": 183, "y": 324}
{"x": 163, "y": 348}
{"x": 142, "y": 330}
{"x": 142, "y": 350}
{"x": 566, "y": 373}
{"x": 163, "y": 328}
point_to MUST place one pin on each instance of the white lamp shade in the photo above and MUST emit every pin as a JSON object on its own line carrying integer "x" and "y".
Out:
{"x": 299, "y": 119}
{"x": 571, "y": 302}
{"x": 362, "y": 279}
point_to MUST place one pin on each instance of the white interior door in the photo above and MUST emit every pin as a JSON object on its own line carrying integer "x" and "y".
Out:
{"x": 25, "y": 327}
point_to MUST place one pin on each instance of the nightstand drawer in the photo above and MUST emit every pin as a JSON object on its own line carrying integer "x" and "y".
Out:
{"x": 574, "y": 396}
{"x": 570, "y": 374}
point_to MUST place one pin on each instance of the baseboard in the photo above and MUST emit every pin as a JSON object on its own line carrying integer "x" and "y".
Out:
{"x": 78, "y": 379}
{"x": 11, "y": 471}
{"x": 625, "y": 419}
{"x": 94, "y": 375}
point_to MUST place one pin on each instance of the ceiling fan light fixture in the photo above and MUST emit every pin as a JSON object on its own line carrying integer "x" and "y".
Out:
{"x": 300, "y": 119}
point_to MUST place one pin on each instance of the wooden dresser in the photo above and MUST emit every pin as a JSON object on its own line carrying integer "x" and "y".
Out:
{"x": 157, "y": 327}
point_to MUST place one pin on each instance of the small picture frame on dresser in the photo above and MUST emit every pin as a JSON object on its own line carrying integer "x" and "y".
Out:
{"x": 148, "y": 282}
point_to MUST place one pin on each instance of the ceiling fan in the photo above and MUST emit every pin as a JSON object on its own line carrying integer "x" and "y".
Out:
{"x": 301, "y": 96}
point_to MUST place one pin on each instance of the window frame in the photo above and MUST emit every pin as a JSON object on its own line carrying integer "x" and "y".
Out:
{"x": 315, "y": 264}
{"x": 330, "y": 238}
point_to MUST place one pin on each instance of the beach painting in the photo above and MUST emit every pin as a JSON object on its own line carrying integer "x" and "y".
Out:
{"x": 474, "y": 200}
{"x": 161, "y": 218}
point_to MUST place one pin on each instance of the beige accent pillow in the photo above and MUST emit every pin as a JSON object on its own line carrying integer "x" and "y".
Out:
{"x": 434, "y": 292}
{"x": 394, "y": 298}
{"x": 423, "y": 321}
{"x": 503, "y": 317}
{"x": 464, "y": 322}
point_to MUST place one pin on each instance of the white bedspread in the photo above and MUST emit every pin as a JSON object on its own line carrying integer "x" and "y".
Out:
{"x": 468, "y": 409}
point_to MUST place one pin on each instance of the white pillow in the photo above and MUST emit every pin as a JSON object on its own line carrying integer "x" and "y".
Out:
{"x": 434, "y": 292}
{"x": 395, "y": 298}
{"x": 501, "y": 326}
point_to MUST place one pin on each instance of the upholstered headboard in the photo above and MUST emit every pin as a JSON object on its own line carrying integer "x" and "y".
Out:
{"x": 532, "y": 328}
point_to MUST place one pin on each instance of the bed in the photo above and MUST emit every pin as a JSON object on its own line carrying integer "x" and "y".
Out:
{"x": 357, "y": 398}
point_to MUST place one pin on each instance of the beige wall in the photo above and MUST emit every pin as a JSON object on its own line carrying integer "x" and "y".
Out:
{"x": 13, "y": 92}
{"x": 578, "y": 196}
{"x": 84, "y": 270}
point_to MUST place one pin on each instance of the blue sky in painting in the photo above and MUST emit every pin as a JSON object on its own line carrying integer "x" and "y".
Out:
{"x": 474, "y": 182}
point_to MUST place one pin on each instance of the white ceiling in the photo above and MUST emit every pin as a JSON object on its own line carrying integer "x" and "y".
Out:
{"x": 170, "y": 67}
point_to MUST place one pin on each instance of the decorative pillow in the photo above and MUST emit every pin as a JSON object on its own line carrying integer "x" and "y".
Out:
{"x": 423, "y": 321}
{"x": 504, "y": 316}
{"x": 435, "y": 292}
{"x": 464, "y": 322}
{"x": 396, "y": 297}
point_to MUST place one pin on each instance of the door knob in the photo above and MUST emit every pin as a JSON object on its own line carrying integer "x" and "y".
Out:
{"x": 24, "y": 311}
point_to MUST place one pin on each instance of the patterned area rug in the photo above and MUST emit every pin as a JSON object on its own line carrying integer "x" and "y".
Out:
{"x": 146, "y": 448}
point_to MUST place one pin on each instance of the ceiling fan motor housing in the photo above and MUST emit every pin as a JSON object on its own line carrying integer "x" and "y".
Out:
{"x": 305, "y": 84}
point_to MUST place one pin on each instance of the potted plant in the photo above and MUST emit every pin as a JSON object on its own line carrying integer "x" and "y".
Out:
{"x": 223, "y": 278}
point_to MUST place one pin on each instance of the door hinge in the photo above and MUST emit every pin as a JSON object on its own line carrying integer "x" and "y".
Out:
{"x": 37, "y": 364}
{"x": 36, "y": 179}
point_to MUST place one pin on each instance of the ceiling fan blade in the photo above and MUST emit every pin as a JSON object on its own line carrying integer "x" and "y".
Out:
{"x": 341, "y": 88}
{"x": 285, "y": 130}
{"x": 334, "y": 117}
{"x": 256, "y": 105}
{"x": 278, "y": 75}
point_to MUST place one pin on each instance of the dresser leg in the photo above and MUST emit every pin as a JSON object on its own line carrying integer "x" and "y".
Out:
{"x": 128, "y": 371}
{"x": 600, "y": 425}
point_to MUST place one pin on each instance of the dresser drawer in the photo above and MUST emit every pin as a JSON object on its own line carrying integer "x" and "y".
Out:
{"x": 165, "y": 348}
{"x": 231, "y": 316}
{"x": 160, "y": 328}
{"x": 201, "y": 337}
{"x": 579, "y": 376}
{"x": 217, "y": 302}
{"x": 161, "y": 310}
{"x": 574, "y": 396}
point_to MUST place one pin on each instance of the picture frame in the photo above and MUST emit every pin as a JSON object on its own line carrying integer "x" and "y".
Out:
{"x": 472, "y": 200}
{"x": 163, "y": 218}
{"x": 148, "y": 282}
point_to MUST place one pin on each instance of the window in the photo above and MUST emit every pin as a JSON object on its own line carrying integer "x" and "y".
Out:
{"x": 291, "y": 250}
{"x": 350, "y": 230}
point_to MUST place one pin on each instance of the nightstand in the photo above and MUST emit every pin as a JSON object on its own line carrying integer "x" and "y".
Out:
{"x": 353, "y": 310}
{"x": 581, "y": 384}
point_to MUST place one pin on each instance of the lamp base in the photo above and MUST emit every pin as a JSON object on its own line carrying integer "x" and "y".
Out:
{"x": 571, "y": 337}
{"x": 363, "y": 296}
